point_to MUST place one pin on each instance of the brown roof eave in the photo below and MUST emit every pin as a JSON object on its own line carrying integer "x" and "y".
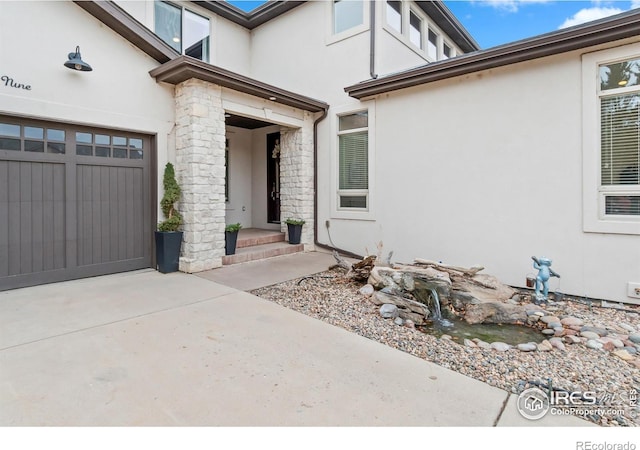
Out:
{"x": 623, "y": 26}
{"x": 251, "y": 19}
{"x": 185, "y": 67}
{"x": 126, "y": 26}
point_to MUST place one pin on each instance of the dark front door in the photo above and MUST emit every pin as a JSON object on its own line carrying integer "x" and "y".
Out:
{"x": 273, "y": 178}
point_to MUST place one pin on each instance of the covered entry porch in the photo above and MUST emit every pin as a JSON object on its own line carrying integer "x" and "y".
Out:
{"x": 226, "y": 132}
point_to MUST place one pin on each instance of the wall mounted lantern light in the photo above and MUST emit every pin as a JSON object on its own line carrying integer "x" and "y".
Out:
{"x": 76, "y": 63}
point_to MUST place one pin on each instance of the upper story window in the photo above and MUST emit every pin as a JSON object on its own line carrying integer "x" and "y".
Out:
{"x": 347, "y": 14}
{"x": 432, "y": 45}
{"x": 447, "y": 52}
{"x": 415, "y": 29}
{"x": 394, "y": 15}
{"x": 183, "y": 30}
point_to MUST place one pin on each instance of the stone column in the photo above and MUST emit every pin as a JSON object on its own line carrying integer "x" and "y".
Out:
{"x": 200, "y": 171}
{"x": 296, "y": 178}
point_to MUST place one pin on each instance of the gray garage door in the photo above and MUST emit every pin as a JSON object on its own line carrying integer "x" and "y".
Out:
{"x": 74, "y": 202}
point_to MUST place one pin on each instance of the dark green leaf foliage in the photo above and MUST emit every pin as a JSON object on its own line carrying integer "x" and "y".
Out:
{"x": 171, "y": 196}
{"x": 233, "y": 227}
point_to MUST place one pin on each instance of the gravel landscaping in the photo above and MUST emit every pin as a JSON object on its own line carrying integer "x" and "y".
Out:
{"x": 592, "y": 350}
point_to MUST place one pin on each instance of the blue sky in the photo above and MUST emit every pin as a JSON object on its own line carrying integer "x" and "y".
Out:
{"x": 496, "y": 22}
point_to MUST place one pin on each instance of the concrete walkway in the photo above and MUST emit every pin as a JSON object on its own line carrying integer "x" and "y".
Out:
{"x": 147, "y": 349}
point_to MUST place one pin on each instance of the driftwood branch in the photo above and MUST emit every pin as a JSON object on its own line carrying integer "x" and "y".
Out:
{"x": 470, "y": 272}
{"x": 340, "y": 261}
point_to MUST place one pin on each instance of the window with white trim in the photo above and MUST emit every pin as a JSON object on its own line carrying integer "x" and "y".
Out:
{"x": 611, "y": 140}
{"x": 415, "y": 29}
{"x": 619, "y": 96}
{"x": 394, "y": 15}
{"x": 347, "y": 14}
{"x": 353, "y": 161}
{"x": 185, "y": 31}
{"x": 432, "y": 45}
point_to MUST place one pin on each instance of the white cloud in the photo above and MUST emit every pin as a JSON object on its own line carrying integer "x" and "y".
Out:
{"x": 511, "y": 5}
{"x": 635, "y": 4}
{"x": 589, "y": 14}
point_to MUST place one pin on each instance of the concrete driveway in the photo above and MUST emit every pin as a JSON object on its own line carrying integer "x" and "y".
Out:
{"x": 147, "y": 349}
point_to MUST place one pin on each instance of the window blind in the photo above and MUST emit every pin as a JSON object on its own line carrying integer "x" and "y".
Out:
{"x": 353, "y": 170}
{"x": 620, "y": 139}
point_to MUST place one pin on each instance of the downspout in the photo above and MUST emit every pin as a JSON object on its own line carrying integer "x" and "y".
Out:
{"x": 315, "y": 192}
{"x": 372, "y": 42}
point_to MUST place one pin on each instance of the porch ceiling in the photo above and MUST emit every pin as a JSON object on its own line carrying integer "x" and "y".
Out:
{"x": 185, "y": 67}
{"x": 245, "y": 122}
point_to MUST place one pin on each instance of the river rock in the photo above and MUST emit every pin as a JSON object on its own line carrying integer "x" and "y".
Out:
{"x": 598, "y": 330}
{"x": 549, "y": 320}
{"x": 409, "y": 323}
{"x": 528, "y": 347}
{"x": 571, "y": 339}
{"x": 623, "y": 354}
{"x": 367, "y": 290}
{"x": 389, "y": 311}
{"x": 627, "y": 327}
{"x": 494, "y": 312}
{"x": 592, "y": 343}
{"x": 635, "y": 338}
{"x": 589, "y": 335}
{"x": 469, "y": 343}
{"x": 482, "y": 344}
{"x": 500, "y": 346}
{"x": 568, "y": 321}
{"x": 398, "y": 321}
{"x": 617, "y": 343}
{"x": 548, "y": 332}
{"x": 545, "y": 346}
{"x": 631, "y": 350}
{"x": 556, "y": 342}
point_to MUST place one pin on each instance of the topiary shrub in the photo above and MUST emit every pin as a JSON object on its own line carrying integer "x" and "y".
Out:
{"x": 173, "y": 219}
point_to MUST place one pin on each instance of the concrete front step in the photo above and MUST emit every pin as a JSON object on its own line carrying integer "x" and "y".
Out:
{"x": 251, "y": 237}
{"x": 262, "y": 251}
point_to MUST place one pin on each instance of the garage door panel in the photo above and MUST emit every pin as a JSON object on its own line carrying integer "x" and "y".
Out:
{"x": 66, "y": 216}
{"x": 30, "y": 231}
{"x": 4, "y": 218}
{"x": 110, "y": 216}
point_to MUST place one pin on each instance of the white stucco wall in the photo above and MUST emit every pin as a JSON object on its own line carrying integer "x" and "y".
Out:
{"x": 118, "y": 93}
{"x": 487, "y": 169}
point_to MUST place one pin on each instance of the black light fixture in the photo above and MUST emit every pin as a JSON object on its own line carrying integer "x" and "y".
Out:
{"x": 76, "y": 63}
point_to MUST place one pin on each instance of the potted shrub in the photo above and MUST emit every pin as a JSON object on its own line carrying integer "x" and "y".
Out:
{"x": 231, "y": 238}
{"x": 294, "y": 227}
{"x": 168, "y": 238}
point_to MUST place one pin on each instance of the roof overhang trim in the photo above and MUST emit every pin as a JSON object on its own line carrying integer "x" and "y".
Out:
{"x": 185, "y": 67}
{"x": 623, "y": 26}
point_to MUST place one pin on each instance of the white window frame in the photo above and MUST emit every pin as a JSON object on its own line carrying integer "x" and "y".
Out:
{"x": 390, "y": 27}
{"x": 193, "y": 10}
{"x": 353, "y": 213}
{"x": 336, "y": 37}
{"x": 594, "y": 218}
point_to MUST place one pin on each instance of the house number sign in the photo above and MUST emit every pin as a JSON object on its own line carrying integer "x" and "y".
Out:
{"x": 7, "y": 81}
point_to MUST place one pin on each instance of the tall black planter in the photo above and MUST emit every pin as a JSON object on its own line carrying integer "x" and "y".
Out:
{"x": 168, "y": 245}
{"x": 295, "y": 231}
{"x": 230, "y": 240}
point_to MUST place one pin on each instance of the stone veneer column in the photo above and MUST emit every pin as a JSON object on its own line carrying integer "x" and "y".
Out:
{"x": 200, "y": 171}
{"x": 296, "y": 178}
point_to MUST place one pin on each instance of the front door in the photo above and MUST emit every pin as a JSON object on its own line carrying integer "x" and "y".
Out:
{"x": 273, "y": 177}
